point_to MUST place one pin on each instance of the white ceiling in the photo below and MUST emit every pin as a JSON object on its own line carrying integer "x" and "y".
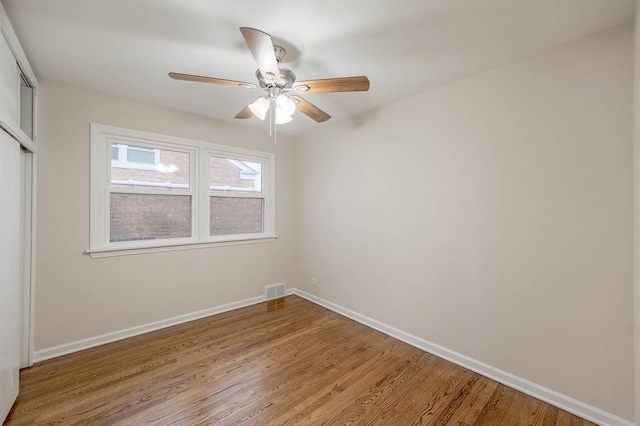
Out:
{"x": 127, "y": 47}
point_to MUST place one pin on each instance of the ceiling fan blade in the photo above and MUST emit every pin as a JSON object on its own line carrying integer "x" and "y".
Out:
{"x": 201, "y": 79}
{"x": 343, "y": 84}
{"x": 309, "y": 109}
{"x": 261, "y": 48}
{"x": 246, "y": 112}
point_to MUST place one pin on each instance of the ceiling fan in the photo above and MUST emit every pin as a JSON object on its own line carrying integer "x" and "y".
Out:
{"x": 279, "y": 83}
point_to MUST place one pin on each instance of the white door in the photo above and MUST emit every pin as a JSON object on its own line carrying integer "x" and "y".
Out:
{"x": 10, "y": 333}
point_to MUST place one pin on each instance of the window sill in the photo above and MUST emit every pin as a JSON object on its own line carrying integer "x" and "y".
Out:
{"x": 113, "y": 252}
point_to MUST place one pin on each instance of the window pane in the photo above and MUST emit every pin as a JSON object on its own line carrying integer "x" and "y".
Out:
{"x": 149, "y": 216}
{"x": 234, "y": 177}
{"x": 170, "y": 174}
{"x": 138, "y": 154}
{"x": 230, "y": 215}
{"x": 114, "y": 152}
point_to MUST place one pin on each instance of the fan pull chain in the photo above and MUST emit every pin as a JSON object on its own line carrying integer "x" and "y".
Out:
{"x": 270, "y": 116}
{"x": 272, "y": 122}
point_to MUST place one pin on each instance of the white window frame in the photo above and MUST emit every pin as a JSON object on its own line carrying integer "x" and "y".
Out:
{"x": 101, "y": 138}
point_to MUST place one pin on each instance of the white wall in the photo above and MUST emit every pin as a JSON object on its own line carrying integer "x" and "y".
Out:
{"x": 492, "y": 216}
{"x": 78, "y": 297}
{"x": 636, "y": 208}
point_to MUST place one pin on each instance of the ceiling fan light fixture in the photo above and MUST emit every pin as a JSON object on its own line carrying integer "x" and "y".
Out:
{"x": 285, "y": 107}
{"x": 259, "y": 107}
{"x": 285, "y": 104}
{"x": 282, "y": 118}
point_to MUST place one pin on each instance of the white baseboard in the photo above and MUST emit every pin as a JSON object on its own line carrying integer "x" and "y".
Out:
{"x": 552, "y": 397}
{"x": 557, "y": 399}
{"x": 79, "y": 345}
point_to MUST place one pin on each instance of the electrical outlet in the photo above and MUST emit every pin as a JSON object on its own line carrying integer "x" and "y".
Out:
{"x": 314, "y": 281}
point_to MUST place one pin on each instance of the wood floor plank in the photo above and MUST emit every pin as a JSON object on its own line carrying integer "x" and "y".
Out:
{"x": 289, "y": 362}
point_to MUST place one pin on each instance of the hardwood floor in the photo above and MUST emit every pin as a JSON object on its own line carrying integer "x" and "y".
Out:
{"x": 287, "y": 362}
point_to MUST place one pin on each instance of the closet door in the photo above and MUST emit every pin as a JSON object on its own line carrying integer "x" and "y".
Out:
{"x": 10, "y": 333}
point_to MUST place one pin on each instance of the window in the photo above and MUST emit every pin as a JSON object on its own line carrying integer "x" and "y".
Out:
{"x": 149, "y": 201}
{"x": 152, "y": 192}
{"x": 236, "y": 202}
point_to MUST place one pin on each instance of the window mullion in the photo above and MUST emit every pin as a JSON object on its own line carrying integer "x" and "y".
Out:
{"x": 268, "y": 192}
{"x": 105, "y": 179}
{"x": 203, "y": 193}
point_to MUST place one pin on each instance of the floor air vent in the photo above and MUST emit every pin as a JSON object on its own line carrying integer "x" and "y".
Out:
{"x": 275, "y": 291}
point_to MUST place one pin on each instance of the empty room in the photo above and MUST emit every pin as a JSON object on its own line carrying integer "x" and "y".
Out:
{"x": 341, "y": 212}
